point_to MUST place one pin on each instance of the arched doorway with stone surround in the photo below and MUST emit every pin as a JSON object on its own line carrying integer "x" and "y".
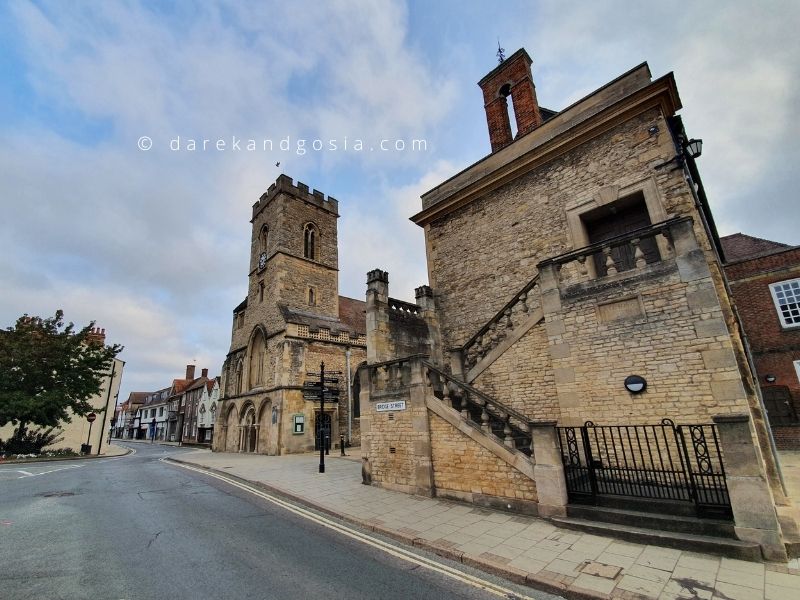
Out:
{"x": 248, "y": 428}
{"x": 230, "y": 430}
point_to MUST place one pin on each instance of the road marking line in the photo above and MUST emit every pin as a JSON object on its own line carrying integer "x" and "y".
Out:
{"x": 51, "y": 471}
{"x": 26, "y": 474}
{"x": 395, "y": 551}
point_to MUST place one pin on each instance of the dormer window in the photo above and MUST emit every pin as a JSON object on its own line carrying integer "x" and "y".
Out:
{"x": 310, "y": 241}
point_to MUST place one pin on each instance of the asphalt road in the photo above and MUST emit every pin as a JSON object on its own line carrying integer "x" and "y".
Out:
{"x": 137, "y": 528}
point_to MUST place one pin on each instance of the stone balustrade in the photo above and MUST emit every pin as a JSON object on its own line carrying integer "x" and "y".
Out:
{"x": 512, "y": 427}
{"x": 391, "y": 376}
{"x": 615, "y": 255}
{"x": 498, "y": 327}
{"x": 404, "y": 307}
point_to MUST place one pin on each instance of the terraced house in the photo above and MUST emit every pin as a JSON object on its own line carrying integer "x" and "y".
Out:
{"x": 576, "y": 354}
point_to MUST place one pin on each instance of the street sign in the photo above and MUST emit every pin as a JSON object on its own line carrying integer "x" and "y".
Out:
{"x": 91, "y": 417}
{"x": 390, "y": 406}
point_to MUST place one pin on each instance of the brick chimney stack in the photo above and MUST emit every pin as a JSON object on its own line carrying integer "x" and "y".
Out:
{"x": 190, "y": 372}
{"x": 204, "y": 373}
{"x": 96, "y": 336}
{"x": 513, "y": 78}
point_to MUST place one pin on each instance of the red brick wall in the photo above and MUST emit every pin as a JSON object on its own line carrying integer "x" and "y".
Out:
{"x": 787, "y": 437}
{"x": 774, "y": 348}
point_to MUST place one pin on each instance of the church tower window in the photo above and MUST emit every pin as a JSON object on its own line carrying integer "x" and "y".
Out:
{"x": 310, "y": 241}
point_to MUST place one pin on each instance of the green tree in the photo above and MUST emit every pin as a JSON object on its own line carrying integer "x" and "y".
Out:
{"x": 49, "y": 372}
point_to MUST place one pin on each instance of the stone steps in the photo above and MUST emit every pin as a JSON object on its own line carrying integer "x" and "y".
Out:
{"x": 670, "y": 539}
{"x": 655, "y": 521}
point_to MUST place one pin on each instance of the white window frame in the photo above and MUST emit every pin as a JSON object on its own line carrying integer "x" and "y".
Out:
{"x": 797, "y": 368}
{"x": 774, "y": 291}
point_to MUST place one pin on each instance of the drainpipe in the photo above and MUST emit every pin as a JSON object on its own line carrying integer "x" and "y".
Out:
{"x": 349, "y": 400}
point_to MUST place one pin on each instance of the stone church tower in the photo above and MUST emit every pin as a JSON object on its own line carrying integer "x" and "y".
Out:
{"x": 291, "y": 320}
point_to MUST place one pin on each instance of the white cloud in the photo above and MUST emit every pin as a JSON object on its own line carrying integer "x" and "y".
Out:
{"x": 155, "y": 245}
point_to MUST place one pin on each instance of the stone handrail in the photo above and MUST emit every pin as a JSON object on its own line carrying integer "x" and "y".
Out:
{"x": 632, "y": 239}
{"x": 495, "y": 330}
{"x": 494, "y": 416}
{"x": 404, "y": 307}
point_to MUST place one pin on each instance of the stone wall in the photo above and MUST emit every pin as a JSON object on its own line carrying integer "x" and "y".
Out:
{"x": 395, "y": 329}
{"x": 522, "y": 377}
{"x": 395, "y": 444}
{"x": 463, "y": 469}
{"x": 481, "y": 255}
{"x": 662, "y": 321}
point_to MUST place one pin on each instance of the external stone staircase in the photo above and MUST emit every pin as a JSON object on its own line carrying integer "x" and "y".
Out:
{"x": 509, "y": 427}
{"x": 504, "y": 329}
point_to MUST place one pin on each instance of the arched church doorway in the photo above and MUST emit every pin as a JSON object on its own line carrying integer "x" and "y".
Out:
{"x": 249, "y": 430}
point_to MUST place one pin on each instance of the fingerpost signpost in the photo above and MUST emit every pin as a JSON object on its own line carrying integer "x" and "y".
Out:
{"x": 321, "y": 390}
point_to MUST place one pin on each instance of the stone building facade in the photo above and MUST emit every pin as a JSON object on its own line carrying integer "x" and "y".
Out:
{"x": 292, "y": 320}
{"x": 576, "y": 257}
{"x": 764, "y": 279}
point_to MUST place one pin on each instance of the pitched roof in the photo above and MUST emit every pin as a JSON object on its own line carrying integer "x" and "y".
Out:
{"x": 137, "y": 397}
{"x": 740, "y": 246}
{"x": 319, "y": 321}
{"x": 353, "y": 313}
{"x": 242, "y": 305}
{"x": 196, "y": 383}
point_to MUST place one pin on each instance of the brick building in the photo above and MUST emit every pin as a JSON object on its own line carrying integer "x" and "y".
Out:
{"x": 292, "y": 319}
{"x": 577, "y": 333}
{"x": 189, "y": 411}
{"x": 764, "y": 280}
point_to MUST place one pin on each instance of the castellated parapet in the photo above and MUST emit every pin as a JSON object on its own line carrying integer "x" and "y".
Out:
{"x": 285, "y": 184}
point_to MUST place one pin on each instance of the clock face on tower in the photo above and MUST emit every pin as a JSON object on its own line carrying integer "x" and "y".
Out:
{"x": 262, "y": 260}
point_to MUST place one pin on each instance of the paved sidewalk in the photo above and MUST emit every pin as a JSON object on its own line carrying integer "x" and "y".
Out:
{"x": 524, "y": 549}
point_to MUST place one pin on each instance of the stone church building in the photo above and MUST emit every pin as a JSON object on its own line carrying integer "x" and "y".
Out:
{"x": 292, "y": 319}
{"x": 576, "y": 352}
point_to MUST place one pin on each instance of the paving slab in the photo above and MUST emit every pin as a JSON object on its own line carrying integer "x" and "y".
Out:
{"x": 521, "y": 548}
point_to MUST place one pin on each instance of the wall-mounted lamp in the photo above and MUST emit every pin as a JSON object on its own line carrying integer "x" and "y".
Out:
{"x": 635, "y": 384}
{"x": 689, "y": 149}
{"x": 693, "y": 148}
{"x": 770, "y": 378}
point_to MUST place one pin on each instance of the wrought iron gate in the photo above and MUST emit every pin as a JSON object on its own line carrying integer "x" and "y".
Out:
{"x": 680, "y": 463}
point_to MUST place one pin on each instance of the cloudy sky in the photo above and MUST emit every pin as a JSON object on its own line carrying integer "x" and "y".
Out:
{"x": 154, "y": 244}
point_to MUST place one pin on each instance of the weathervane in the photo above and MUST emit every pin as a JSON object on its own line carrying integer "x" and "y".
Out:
{"x": 501, "y": 52}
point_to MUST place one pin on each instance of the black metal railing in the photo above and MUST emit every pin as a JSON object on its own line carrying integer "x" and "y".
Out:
{"x": 680, "y": 463}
